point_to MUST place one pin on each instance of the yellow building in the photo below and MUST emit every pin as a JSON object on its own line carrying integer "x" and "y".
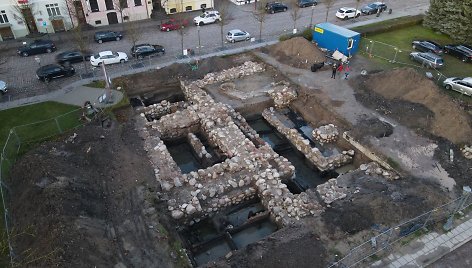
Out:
{"x": 177, "y": 6}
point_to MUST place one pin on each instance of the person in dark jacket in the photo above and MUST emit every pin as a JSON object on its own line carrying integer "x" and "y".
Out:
{"x": 334, "y": 69}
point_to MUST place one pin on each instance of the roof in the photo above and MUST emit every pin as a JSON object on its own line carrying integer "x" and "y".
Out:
{"x": 337, "y": 29}
{"x": 103, "y": 53}
{"x": 468, "y": 80}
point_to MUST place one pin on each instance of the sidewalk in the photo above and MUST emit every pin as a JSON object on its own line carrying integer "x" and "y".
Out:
{"x": 429, "y": 248}
{"x": 79, "y": 95}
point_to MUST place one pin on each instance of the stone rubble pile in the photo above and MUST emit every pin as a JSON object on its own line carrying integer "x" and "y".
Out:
{"x": 330, "y": 191}
{"x": 248, "y": 68}
{"x": 313, "y": 154}
{"x": 326, "y": 134}
{"x": 157, "y": 110}
{"x": 282, "y": 94}
{"x": 374, "y": 168}
{"x": 176, "y": 125}
{"x": 467, "y": 151}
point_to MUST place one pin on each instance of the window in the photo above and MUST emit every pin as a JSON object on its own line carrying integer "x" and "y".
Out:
{"x": 94, "y": 6}
{"x": 3, "y": 17}
{"x": 137, "y": 2}
{"x": 109, "y": 4}
{"x": 126, "y": 18}
{"x": 188, "y": 8}
{"x": 172, "y": 10}
{"x": 98, "y": 22}
{"x": 123, "y": 3}
{"x": 350, "y": 43}
{"x": 203, "y": 6}
{"x": 53, "y": 10}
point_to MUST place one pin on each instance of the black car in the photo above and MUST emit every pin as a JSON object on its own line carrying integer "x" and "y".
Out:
{"x": 47, "y": 72}
{"x": 427, "y": 46}
{"x": 373, "y": 8}
{"x": 104, "y": 36}
{"x": 273, "y": 7}
{"x": 307, "y": 3}
{"x": 72, "y": 56}
{"x": 461, "y": 52}
{"x": 36, "y": 47}
{"x": 142, "y": 50}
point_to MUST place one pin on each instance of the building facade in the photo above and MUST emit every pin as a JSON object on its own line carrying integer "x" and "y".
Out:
{"x": 23, "y": 17}
{"x": 177, "y": 6}
{"x": 106, "y": 12}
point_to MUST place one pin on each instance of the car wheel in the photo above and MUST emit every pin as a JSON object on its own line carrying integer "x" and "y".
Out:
{"x": 272, "y": 11}
{"x": 285, "y": 9}
{"x": 464, "y": 59}
{"x": 448, "y": 87}
{"x": 25, "y": 54}
{"x": 201, "y": 23}
{"x": 232, "y": 41}
{"x": 413, "y": 46}
{"x": 117, "y": 38}
{"x": 122, "y": 61}
{"x": 315, "y": 3}
{"x": 357, "y": 15}
{"x": 46, "y": 79}
{"x": 446, "y": 51}
{"x": 168, "y": 30}
{"x": 99, "y": 64}
{"x": 140, "y": 57}
{"x": 48, "y": 50}
{"x": 345, "y": 18}
{"x": 100, "y": 41}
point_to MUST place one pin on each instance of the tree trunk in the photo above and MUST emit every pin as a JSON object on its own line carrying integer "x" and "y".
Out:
{"x": 260, "y": 32}
{"x": 85, "y": 63}
{"x": 222, "y": 37}
{"x": 327, "y": 11}
{"x": 182, "y": 42}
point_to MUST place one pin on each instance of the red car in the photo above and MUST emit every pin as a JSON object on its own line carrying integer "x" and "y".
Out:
{"x": 173, "y": 24}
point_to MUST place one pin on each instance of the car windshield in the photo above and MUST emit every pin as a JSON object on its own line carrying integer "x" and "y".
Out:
{"x": 202, "y": 16}
{"x": 372, "y": 5}
{"x": 341, "y": 11}
{"x": 440, "y": 61}
{"x": 96, "y": 56}
{"x": 115, "y": 54}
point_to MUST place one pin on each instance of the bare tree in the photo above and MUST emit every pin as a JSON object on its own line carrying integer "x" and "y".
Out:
{"x": 133, "y": 32}
{"x": 225, "y": 18}
{"x": 25, "y": 14}
{"x": 329, "y": 4}
{"x": 182, "y": 30}
{"x": 120, "y": 6}
{"x": 295, "y": 13}
{"x": 75, "y": 11}
{"x": 81, "y": 40}
{"x": 357, "y": 4}
{"x": 3, "y": 57}
{"x": 260, "y": 15}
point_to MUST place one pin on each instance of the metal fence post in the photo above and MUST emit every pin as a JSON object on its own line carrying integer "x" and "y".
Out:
{"x": 17, "y": 138}
{"x": 58, "y": 125}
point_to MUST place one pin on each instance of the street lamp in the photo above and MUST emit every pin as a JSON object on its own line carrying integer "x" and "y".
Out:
{"x": 311, "y": 19}
{"x": 395, "y": 57}
{"x": 199, "y": 42}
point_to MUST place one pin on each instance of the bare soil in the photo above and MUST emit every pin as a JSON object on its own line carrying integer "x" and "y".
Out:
{"x": 296, "y": 52}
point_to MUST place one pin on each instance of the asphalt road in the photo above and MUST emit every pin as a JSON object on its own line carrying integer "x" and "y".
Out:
{"x": 19, "y": 72}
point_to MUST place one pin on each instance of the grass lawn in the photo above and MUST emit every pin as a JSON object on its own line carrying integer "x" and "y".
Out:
{"x": 383, "y": 50}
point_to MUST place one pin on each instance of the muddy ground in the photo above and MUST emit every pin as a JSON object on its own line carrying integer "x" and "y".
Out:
{"x": 94, "y": 202}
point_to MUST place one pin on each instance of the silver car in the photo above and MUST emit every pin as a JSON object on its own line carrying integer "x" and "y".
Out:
{"x": 428, "y": 60}
{"x": 237, "y": 35}
{"x": 3, "y": 87}
{"x": 461, "y": 85}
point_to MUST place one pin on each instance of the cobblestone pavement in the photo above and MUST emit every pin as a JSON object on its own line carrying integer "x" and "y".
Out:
{"x": 19, "y": 72}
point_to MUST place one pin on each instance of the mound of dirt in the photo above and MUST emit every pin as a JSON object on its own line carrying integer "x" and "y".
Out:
{"x": 450, "y": 121}
{"x": 296, "y": 52}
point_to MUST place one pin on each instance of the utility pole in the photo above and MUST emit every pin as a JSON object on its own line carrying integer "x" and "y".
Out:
{"x": 108, "y": 94}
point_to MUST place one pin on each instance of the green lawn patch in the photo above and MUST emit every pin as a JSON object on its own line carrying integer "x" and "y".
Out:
{"x": 96, "y": 84}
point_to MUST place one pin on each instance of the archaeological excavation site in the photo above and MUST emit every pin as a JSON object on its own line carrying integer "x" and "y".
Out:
{"x": 251, "y": 160}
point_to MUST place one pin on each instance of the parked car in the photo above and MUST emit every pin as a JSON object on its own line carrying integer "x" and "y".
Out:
{"x": 237, "y": 35}
{"x": 108, "y": 57}
{"x": 51, "y": 71}
{"x": 428, "y": 59}
{"x": 3, "y": 87}
{"x": 173, "y": 24}
{"x": 459, "y": 51}
{"x": 307, "y": 3}
{"x": 36, "y": 47}
{"x": 104, "y": 36}
{"x": 462, "y": 85}
{"x": 207, "y": 17}
{"x": 274, "y": 7}
{"x": 373, "y": 8}
{"x": 427, "y": 46}
{"x": 143, "y": 50}
{"x": 72, "y": 56}
{"x": 345, "y": 13}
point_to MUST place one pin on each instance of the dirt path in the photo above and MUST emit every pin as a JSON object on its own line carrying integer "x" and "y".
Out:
{"x": 414, "y": 154}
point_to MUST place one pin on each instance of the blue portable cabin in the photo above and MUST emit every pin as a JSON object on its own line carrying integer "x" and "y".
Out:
{"x": 334, "y": 37}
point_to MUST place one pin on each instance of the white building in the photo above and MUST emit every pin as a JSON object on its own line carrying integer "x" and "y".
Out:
{"x": 177, "y": 6}
{"x": 21, "y": 18}
{"x": 105, "y": 12}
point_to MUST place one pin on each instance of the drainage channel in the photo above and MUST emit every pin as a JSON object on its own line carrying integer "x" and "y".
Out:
{"x": 233, "y": 229}
{"x": 306, "y": 174}
{"x": 184, "y": 155}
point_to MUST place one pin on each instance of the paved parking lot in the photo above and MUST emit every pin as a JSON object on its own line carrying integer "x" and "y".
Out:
{"x": 20, "y": 72}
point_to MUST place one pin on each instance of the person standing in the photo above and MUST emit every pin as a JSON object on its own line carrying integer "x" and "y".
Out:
{"x": 346, "y": 72}
{"x": 340, "y": 68}
{"x": 334, "y": 69}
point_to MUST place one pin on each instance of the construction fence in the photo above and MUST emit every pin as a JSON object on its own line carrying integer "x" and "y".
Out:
{"x": 19, "y": 139}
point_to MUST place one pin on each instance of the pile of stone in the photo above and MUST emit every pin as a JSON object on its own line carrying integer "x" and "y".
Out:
{"x": 326, "y": 134}
{"x": 374, "y": 168}
{"x": 330, "y": 191}
{"x": 282, "y": 94}
{"x": 157, "y": 110}
{"x": 177, "y": 125}
{"x": 467, "y": 151}
{"x": 248, "y": 68}
{"x": 313, "y": 154}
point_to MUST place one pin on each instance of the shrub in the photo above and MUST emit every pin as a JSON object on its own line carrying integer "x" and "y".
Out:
{"x": 308, "y": 34}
